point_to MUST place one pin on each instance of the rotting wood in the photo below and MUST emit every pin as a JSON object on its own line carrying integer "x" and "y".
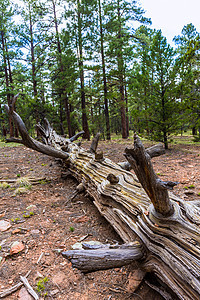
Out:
{"x": 156, "y": 189}
{"x": 104, "y": 258}
{"x": 94, "y": 143}
{"x": 153, "y": 151}
{"x": 30, "y": 142}
{"x": 171, "y": 237}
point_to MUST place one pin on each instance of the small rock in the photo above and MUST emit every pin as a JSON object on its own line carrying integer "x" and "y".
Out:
{"x": 31, "y": 207}
{"x": 54, "y": 292}
{"x": 4, "y": 225}
{"x": 35, "y": 231}
{"x": 24, "y": 295}
{"x": 15, "y": 231}
{"x": 39, "y": 275}
{"x": 79, "y": 246}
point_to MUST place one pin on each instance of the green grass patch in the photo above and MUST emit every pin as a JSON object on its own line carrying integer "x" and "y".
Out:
{"x": 4, "y": 144}
{"x": 41, "y": 286}
{"x": 4, "y": 185}
{"x": 71, "y": 229}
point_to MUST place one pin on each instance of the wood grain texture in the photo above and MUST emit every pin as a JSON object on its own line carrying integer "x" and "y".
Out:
{"x": 171, "y": 240}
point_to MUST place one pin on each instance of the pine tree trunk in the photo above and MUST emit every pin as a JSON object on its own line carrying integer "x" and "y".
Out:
{"x": 85, "y": 127}
{"x": 120, "y": 62}
{"x": 5, "y": 66}
{"x": 62, "y": 93}
{"x": 106, "y": 110}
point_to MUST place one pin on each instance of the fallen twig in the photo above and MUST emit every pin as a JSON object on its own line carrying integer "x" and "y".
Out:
{"x": 40, "y": 257}
{"x": 14, "y": 288}
{"x": 29, "y": 288}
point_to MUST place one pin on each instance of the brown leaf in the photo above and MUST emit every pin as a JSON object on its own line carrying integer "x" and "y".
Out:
{"x": 17, "y": 230}
{"x": 2, "y": 214}
{"x": 16, "y": 247}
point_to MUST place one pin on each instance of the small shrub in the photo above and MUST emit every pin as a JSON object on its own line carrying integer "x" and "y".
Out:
{"x": 4, "y": 185}
{"x": 191, "y": 186}
{"x": 41, "y": 286}
{"x": 26, "y": 216}
{"x": 71, "y": 229}
{"x": 23, "y": 182}
{"x": 20, "y": 191}
{"x": 196, "y": 139}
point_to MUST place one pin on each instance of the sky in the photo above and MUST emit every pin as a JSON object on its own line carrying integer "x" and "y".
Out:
{"x": 172, "y": 15}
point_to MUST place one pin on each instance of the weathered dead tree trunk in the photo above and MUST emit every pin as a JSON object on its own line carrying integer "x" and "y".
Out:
{"x": 163, "y": 227}
{"x": 106, "y": 257}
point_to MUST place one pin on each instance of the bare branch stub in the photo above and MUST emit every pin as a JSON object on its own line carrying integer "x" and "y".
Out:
{"x": 76, "y": 136}
{"x": 140, "y": 161}
{"x": 112, "y": 178}
{"x": 12, "y": 104}
{"x": 156, "y": 150}
{"x": 94, "y": 143}
{"x": 153, "y": 151}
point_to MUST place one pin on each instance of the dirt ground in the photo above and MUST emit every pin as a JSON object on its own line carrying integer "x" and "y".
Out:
{"x": 45, "y": 222}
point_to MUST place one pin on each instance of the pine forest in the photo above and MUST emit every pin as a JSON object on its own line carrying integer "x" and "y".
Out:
{"x": 97, "y": 66}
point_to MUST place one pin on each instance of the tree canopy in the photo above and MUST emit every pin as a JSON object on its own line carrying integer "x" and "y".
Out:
{"x": 97, "y": 66}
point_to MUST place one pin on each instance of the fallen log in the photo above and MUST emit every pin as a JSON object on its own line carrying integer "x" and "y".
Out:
{"x": 105, "y": 257}
{"x": 165, "y": 225}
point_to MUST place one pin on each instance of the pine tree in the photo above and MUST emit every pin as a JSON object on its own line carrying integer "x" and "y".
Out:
{"x": 119, "y": 13}
{"x": 188, "y": 87}
{"x": 7, "y": 54}
{"x": 105, "y": 87}
{"x": 33, "y": 36}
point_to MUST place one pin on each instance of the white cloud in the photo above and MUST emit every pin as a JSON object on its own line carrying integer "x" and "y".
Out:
{"x": 171, "y": 15}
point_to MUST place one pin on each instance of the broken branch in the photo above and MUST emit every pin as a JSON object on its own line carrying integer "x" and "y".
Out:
{"x": 140, "y": 161}
{"x": 30, "y": 142}
{"x": 104, "y": 258}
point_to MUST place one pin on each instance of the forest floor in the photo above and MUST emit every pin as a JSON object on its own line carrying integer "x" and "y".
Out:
{"x": 39, "y": 221}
